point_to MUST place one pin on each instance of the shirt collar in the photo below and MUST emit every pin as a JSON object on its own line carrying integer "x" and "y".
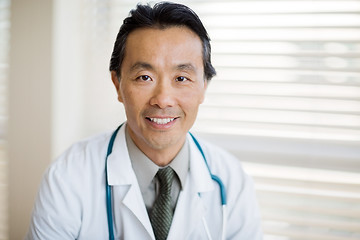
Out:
{"x": 145, "y": 169}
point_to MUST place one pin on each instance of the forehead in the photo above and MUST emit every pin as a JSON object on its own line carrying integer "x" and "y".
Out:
{"x": 167, "y": 45}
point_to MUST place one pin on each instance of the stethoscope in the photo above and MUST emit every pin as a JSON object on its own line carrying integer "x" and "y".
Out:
{"x": 213, "y": 177}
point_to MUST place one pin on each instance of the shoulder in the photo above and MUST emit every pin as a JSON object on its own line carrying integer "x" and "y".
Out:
{"x": 84, "y": 155}
{"x": 89, "y": 145}
{"x": 76, "y": 173}
{"x": 244, "y": 216}
{"x": 71, "y": 187}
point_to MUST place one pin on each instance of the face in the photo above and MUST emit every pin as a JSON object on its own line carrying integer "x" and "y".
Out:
{"x": 162, "y": 85}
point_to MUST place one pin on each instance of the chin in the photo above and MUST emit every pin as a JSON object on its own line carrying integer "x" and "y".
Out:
{"x": 162, "y": 142}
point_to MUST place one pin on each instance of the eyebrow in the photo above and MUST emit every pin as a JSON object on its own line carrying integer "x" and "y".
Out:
{"x": 147, "y": 66}
{"x": 141, "y": 65}
{"x": 186, "y": 67}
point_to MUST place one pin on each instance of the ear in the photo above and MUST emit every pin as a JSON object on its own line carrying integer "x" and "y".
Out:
{"x": 116, "y": 81}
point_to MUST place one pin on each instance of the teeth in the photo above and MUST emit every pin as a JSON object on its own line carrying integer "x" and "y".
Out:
{"x": 162, "y": 120}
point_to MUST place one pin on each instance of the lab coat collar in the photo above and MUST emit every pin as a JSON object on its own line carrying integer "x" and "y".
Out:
{"x": 120, "y": 172}
{"x": 191, "y": 208}
{"x": 119, "y": 167}
{"x": 198, "y": 169}
{"x": 122, "y": 175}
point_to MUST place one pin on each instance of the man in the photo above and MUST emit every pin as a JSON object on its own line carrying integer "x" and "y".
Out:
{"x": 159, "y": 176}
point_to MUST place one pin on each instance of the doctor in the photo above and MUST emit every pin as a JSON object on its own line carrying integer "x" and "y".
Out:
{"x": 160, "y": 183}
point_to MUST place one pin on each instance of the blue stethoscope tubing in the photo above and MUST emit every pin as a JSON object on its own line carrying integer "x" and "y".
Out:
{"x": 213, "y": 177}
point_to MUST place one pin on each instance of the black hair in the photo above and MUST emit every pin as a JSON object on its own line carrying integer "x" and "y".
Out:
{"x": 162, "y": 15}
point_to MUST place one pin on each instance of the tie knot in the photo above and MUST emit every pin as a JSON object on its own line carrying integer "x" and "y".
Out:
{"x": 165, "y": 176}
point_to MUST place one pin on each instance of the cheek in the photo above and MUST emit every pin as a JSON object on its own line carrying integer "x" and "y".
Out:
{"x": 190, "y": 101}
{"x": 198, "y": 94}
{"x": 133, "y": 101}
{"x": 126, "y": 93}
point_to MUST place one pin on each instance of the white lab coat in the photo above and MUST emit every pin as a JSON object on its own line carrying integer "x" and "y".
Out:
{"x": 71, "y": 200}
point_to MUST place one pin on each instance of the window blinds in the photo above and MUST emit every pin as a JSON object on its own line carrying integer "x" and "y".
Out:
{"x": 290, "y": 70}
{"x": 4, "y": 50}
{"x": 303, "y": 203}
{"x": 286, "y": 69}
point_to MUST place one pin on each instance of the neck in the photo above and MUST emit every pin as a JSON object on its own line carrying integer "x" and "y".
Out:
{"x": 162, "y": 155}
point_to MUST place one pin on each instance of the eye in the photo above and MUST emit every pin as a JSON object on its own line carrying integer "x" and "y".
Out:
{"x": 144, "y": 78}
{"x": 181, "y": 79}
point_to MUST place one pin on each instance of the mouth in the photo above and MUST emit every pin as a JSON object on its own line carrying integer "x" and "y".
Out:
{"x": 161, "y": 121}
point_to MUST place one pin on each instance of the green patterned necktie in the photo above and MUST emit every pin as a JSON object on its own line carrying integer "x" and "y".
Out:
{"x": 162, "y": 212}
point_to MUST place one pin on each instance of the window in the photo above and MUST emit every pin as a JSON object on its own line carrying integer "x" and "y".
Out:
{"x": 286, "y": 69}
{"x": 287, "y": 101}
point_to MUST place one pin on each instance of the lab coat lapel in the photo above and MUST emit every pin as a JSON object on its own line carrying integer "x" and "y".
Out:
{"x": 191, "y": 208}
{"x": 134, "y": 202}
{"x": 122, "y": 177}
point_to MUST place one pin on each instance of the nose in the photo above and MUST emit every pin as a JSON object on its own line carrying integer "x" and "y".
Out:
{"x": 163, "y": 95}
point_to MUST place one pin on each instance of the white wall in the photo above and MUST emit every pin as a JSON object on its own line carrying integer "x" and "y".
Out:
{"x": 30, "y": 106}
{"x": 83, "y": 96}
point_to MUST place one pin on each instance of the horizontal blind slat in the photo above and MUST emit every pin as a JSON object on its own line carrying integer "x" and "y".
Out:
{"x": 305, "y": 234}
{"x": 336, "y": 225}
{"x": 318, "y": 209}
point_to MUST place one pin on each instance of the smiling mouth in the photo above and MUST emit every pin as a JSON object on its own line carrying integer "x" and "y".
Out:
{"x": 161, "y": 121}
